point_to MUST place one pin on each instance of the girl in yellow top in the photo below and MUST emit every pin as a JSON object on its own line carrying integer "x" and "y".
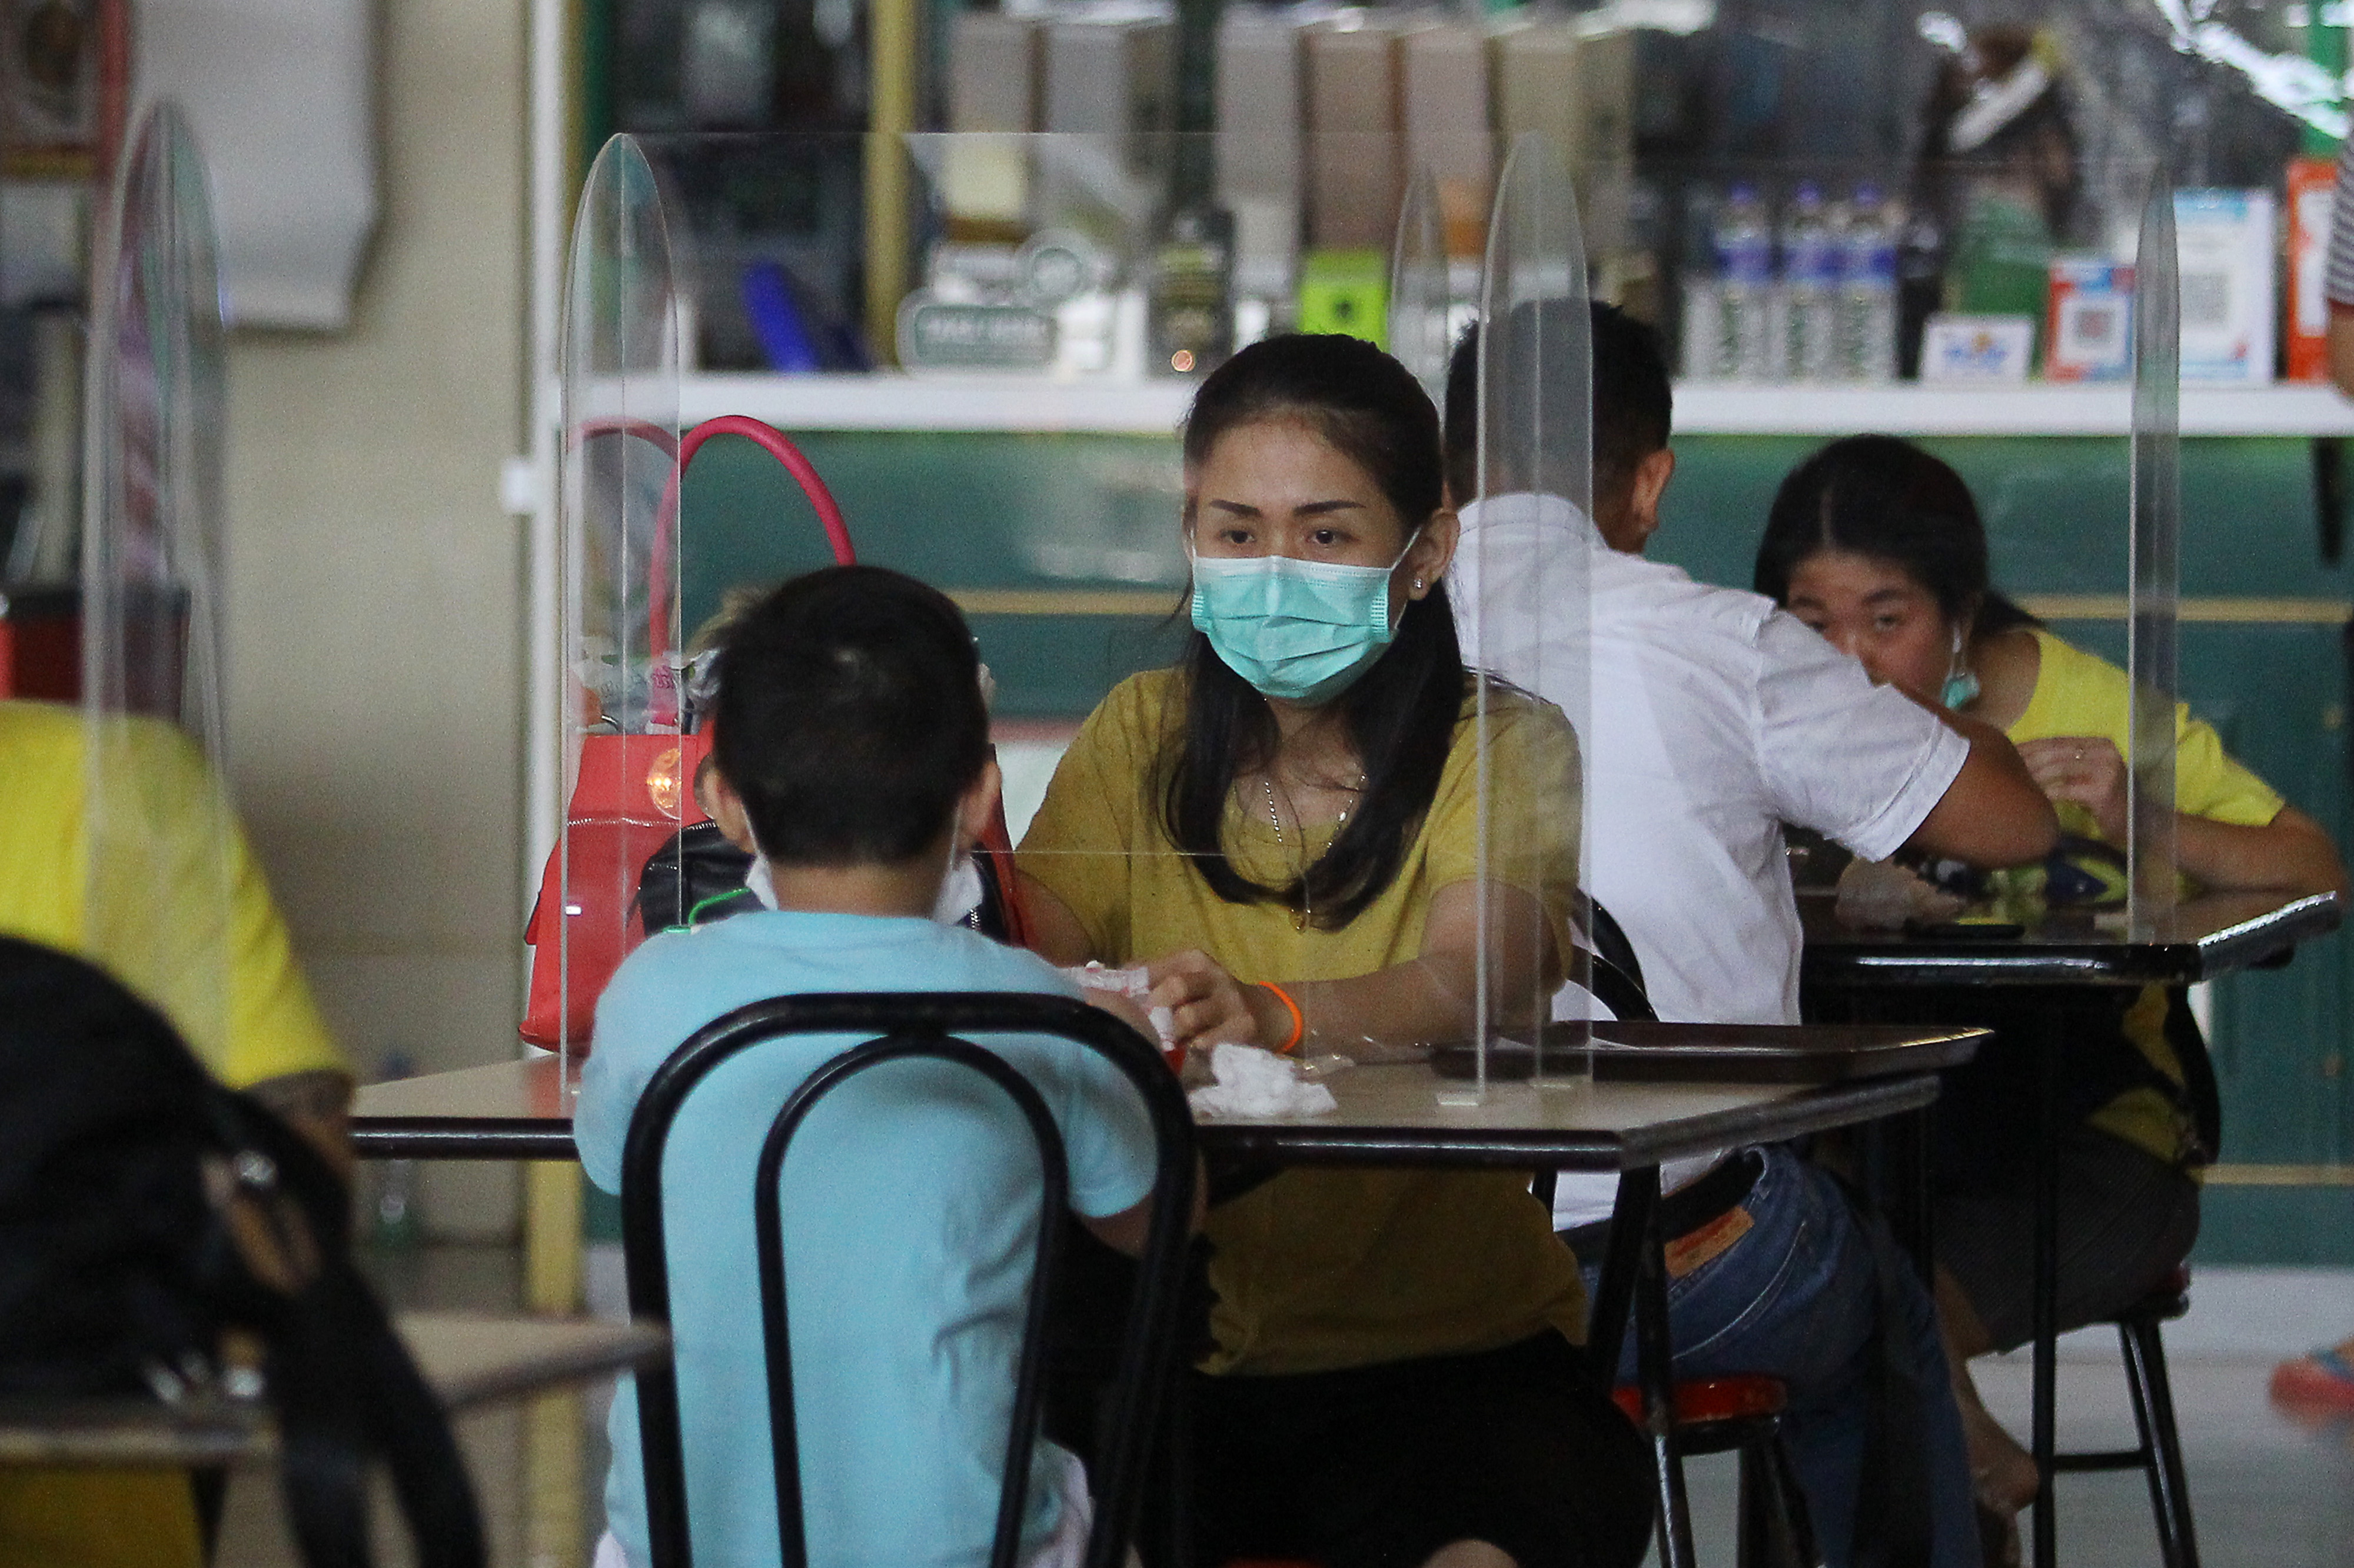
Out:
{"x": 1281, "y": 829}
{"x": 1879, "y": 547}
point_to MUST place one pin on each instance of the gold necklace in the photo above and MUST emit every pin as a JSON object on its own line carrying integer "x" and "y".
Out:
{"x": 1299, "y": 917}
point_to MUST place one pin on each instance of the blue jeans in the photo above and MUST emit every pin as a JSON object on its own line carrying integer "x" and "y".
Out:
{"x": 1795, "y": 1298}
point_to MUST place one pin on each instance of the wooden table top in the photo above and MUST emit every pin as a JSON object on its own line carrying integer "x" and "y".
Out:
{"x": 1401, "y": 1114}
{"x": 468, "y": 1359}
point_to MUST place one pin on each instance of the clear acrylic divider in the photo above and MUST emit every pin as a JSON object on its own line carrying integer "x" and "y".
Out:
{"x": 161, "y": 840}
{"x": 1419, "y": 297}
{"x": 630, "y": 758}
{"x": 2152, "y": 868}
{"x": 1525, "y": 570}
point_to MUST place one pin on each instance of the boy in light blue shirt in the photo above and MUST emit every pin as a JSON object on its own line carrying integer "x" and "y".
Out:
{"x": 852, "y": 750}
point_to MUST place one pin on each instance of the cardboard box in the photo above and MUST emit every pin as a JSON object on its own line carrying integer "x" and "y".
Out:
{"x": 2312, "y": 183}
{"x": 2089, "y": 333}
{"x": 1354, "y": 176}
{"x": 1576, "y": 87}
{"x": 1976, "y": 350}
{"x": 1346, "y": 291}
{"x": 2224, "y": 239}
{"x": 994, "y": 75}
{"x": 1443, "y": 105}
{"x": 1260, "y": 116}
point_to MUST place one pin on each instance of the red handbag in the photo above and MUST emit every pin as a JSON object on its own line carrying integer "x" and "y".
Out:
{"x": 635, "y": 793}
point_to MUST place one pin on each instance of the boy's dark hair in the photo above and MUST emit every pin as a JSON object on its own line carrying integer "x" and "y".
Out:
{"x": 1886, "y": 498}
{"x": 1634, "y": 407}
{"x": 850, "y": 717}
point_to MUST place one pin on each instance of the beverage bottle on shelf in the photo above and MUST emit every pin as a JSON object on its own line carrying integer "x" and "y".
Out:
{"x": 1866, "y": 341}
{"x": 1805, "y": 304}
{"x": 1744, "y": 286}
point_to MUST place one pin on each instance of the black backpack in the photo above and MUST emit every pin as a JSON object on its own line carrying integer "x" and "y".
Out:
{"x": 144, "y": 1210}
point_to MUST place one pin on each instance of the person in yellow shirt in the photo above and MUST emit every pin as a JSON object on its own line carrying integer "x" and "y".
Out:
{"x": 1283, "y": 830}
{"x": 1879, "y": 545}
{"x": 186, "y": 919}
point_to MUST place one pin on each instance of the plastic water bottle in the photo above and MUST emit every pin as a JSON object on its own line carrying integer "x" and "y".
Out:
{"x": 1806, "y": 303}
{"x": 1866, "y": 347}
{"x": 1745, "y": 286}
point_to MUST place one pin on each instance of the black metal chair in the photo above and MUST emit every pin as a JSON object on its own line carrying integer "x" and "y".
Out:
{"x": 2159, "y": 1456}
{"x": 898, "y": 1027}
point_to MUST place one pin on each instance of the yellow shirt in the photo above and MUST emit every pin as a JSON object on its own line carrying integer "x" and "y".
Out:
{"x": 1324, "y": 1269}
{"x": 2077, "y": 693}
{"x": 190, "y": 925}
{"x": 195, "y": 901}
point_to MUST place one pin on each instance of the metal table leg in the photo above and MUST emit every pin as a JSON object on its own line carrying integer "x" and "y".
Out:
{"x": 1655, "y": 1374}
{"x": 2051, "y": 1037}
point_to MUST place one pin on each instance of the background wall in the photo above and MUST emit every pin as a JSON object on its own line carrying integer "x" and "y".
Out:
{"x": 374, "y": 587}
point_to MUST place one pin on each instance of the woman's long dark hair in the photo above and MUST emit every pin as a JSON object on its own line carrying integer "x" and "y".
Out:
{"x": 1401, "y": 713}
{"x": 1886, "y": 498}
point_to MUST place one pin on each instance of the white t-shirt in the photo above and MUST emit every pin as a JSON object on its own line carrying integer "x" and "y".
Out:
{"x": 1716, "y": 718}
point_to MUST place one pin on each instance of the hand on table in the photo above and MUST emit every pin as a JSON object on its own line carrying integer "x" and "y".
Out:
{"x": 2084, "y": 768}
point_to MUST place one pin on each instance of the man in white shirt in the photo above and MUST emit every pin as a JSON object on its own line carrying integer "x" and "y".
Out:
{"x": 1715, "y": 719}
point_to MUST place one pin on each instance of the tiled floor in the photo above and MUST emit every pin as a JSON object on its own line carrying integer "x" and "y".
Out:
{"x": 2267, "y": 1490}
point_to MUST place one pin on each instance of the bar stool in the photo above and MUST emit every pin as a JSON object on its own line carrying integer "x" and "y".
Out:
{"x": 1744, "y": 1415}
{"x": 2158, "y": 1457}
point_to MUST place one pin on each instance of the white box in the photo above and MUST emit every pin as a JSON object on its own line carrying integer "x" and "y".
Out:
{"x": 1973, "y": 350}
{"x": 2225, "y": 242}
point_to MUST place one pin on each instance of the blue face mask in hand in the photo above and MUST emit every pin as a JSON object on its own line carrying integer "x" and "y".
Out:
{"x": 1299, "y": 631}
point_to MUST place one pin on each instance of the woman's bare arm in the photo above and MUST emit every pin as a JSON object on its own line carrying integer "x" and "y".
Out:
{"x": 2291, "y": 853}
{"x": 1055, "y": 933}
{"x": 1391, "y": 1014}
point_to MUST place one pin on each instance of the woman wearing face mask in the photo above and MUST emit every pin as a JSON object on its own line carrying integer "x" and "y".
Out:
{"x": 1879, "y": 547}
{"x": 1281, "y": 828}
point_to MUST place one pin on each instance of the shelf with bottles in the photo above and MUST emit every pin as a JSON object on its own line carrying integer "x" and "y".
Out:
{"x": 1008, "y": 403}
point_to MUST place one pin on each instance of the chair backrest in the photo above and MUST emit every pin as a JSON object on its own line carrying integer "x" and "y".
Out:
{"x": 1613, "y": 974}
{"x": 896, "y": 1027}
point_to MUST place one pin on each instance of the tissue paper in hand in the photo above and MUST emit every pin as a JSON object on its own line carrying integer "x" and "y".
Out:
{"x": 1133, "y": 984}
{"x": 1252, "y": 1082}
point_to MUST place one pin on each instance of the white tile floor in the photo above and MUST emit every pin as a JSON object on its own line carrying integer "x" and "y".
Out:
{"x": 2268, "y": 1490}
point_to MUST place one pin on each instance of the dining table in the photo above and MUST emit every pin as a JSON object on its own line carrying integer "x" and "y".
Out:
{"x": 1850, "y": 973}
{"x": 1621, "y": 1097}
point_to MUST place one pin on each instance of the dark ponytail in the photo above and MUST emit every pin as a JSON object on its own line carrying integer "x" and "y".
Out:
{"x": 1886, "y": 498}
{"x": 1401, "y": 713}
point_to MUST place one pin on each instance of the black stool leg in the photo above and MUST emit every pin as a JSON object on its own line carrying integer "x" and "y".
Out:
{"x": 1774, "y": 1532}
{"x": 2144, "y": 1344}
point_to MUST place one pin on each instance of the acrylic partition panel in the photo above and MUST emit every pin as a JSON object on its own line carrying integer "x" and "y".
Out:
{"x": 162, "y": 842}
{"x": 1524, "y": 570}
{"x": 1421, "y": 320}
{"x": 2152, "y": 862}
{"x": 628, "y": 708}
{"x": 1074, "y": 259}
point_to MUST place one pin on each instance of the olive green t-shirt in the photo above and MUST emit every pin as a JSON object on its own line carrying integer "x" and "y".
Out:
{"x": 1324, "y": 1269}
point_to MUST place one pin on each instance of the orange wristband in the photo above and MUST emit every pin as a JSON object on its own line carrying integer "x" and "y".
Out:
{"x": 1299, "y": 1019}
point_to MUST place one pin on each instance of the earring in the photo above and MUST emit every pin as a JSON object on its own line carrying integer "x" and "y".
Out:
{"x": 1417, "y": 585}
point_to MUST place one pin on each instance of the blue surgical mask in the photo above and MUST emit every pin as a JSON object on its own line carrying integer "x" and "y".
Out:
{"x": 1300, "y": 632}
{"x": 1961, "y": 682}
